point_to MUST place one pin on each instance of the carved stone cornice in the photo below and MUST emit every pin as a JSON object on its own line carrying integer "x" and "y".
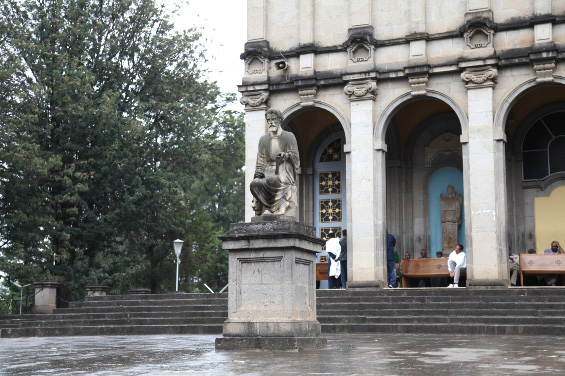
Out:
{"x": 361, "y": 90}
{"x": 307, "y": 95}
{"x": 480, "y": 77}
{"x": 255, "y": 100}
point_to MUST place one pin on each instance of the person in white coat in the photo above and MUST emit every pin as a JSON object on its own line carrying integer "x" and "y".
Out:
{"x": 457, "y": 261}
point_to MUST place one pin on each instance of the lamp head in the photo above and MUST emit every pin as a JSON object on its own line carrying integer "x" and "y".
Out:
{"x": 178, "y": 246}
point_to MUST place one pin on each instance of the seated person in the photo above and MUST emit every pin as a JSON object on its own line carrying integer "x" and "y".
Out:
{"x": 513, "y": 266}
{"x": 551, "y": 279}
{"x": 457, "y": 261}
{"x": 424, "y": 282}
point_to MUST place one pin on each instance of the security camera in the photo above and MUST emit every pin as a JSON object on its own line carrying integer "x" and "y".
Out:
{"x": 281, "y": 65}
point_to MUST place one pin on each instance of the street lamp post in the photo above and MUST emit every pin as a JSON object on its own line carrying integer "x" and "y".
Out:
{"x": 177, "y": 244}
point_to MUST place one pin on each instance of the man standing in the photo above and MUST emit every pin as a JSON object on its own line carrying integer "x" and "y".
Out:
{"x": 551, "y": 279}
{"x": 513, "y": 266}
{"x": 457, "y": 261}
{"x": 343, "y": 258}
{"x": 390, "y": 260}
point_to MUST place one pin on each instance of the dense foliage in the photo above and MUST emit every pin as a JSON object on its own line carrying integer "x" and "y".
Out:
{"x": 112, "y": 145}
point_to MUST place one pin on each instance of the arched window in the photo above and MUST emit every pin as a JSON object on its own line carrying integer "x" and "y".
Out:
{"x": 543, "y": 150}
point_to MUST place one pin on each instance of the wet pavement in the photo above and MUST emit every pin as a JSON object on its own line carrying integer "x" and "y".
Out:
{"x": 371, "y": 354}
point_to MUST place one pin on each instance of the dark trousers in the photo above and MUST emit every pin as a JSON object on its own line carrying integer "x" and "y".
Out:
{"x": 343, "y": 273}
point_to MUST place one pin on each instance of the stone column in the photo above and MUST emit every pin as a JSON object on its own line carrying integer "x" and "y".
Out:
{"x": 255, "y": 20}
{"x": 45, "y": 297}
{"x": 486, "y": 257}
{"x": 272, "y": 287}
{"x": 255, "y": 126}
{"x": 362, "y": 177}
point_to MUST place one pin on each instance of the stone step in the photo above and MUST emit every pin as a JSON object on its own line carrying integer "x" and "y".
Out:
{"x": 368, "y": 307}
{"x": 442, "y": 291}
{"x": 517, "y": 312}
{"x": 110, "y": 330}
{"x": 443, "y": 299}
{"x": 445, "y": 328}
{"x": 136, "y": 309}
{"x": 221, "y": 312}
{"x": 136, "y": 303}
{"x": 438, "y": 319}
{"x": 114, "y": 322}
{"x": 154, "y": 297}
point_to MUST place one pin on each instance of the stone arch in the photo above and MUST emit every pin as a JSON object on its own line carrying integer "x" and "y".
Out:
{"x": 509, "y": 101}
{"x": 297, "y": 108}
{"x": 390, "y": 110}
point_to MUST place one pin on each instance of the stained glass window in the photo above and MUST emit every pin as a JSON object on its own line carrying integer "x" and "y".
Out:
{"x": 331, "y": 210}
{"x": 329, "y": 182}
{"x": 332, "y": 153}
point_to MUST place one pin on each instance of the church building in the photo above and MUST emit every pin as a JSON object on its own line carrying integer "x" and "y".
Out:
{"x": 392, "y": 101}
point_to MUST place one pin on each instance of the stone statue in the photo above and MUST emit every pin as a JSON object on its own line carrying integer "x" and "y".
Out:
{"x": 273, "y": 186}
{"x": 450, "y": 218}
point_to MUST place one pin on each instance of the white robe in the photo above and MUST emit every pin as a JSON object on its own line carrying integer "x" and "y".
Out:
{"x": 333, "y": 246}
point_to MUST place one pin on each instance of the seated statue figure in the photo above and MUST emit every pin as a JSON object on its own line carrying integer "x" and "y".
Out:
{"x": 273, "y": 186}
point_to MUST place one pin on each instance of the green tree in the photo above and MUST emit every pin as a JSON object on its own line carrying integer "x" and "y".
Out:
{"x": 115, "y": 145}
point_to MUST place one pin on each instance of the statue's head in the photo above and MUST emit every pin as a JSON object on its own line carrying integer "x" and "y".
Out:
{"x": 450, "y": 191}
{"x": 274, "y": 119}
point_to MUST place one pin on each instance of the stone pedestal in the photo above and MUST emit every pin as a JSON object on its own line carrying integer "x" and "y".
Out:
{"x": 96, "y": 290}
{"x": 45, "y": 297}
{"x": 272, "y": 293}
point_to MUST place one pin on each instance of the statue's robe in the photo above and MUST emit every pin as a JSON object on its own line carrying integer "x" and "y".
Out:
{"x": 276, "y": 192}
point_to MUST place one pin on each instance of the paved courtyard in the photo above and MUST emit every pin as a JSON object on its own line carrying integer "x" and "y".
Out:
{"x": 372, "y": 354}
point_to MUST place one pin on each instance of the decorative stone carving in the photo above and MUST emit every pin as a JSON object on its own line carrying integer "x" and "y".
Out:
{"x": 480, "y": 77}
{"x": 447, "y": 143}
{"x": 255, "y": 100}
{"x": 361, "y": 90}
{"x": 479, "y": 37}
{"x": 256, "y": 64}
{"x": 274, "y": 183}
{"x": 360, "y": 52}
{"x": 451, "y": 205}
{"x": 544, "y": 70}
{"x": 307, "y": 96}
{"x": 418, "y": 84}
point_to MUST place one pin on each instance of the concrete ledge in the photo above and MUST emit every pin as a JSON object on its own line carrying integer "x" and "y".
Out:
{"x": 269, "y": 343}
{"x": 368, "y": 285}
{"x": 487, "y": 283}
{"x": 248, "y": 329}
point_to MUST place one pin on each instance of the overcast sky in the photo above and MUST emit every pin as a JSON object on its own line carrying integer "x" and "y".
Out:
{"x": 224, "y": 34}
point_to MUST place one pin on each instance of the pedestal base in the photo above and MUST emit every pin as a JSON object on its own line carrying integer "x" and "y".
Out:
{"x": 270, "y": 343}
{"x": 272, "y": 279}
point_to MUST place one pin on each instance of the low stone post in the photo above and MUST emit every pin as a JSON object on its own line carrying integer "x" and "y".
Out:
{"x": 96, "y": 290}
{"x": 45, "y": 297}
{"x": 272, "y": 293}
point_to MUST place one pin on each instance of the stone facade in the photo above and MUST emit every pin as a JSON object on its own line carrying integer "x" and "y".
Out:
{"x": 390, "y": 78}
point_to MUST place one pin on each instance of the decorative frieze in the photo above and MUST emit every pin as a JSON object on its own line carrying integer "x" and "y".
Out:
{"x": 255, "y": 65}
{"x": 418, "y": 84}
{"x": 361, "y": 90}
{"x": 446, "y": 144}
{"x": 480, "y": 77}
{"x": 307, "y": 96}
{"x": 360, "y": 52}
{"x": 544, "y": 70}
{"x": 255, "y": 100}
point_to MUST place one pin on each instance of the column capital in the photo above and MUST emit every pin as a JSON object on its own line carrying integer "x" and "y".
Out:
{"x": 359, "y": 90}
{"x": 479, "y": 77}
{"x": 255, "y": 100}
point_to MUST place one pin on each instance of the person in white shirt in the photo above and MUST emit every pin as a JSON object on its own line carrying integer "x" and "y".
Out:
{"x": 457, "y": 261}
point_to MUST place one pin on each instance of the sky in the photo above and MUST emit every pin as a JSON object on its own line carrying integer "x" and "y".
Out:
{"x": 224, "y": 25}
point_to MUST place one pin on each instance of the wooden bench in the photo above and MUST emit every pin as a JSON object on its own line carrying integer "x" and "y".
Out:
{"x": 541, "y": 264}
{"x": 424, "y": 268}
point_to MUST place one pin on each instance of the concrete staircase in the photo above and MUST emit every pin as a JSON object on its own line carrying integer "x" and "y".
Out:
{"x": 528, "y": 311}
{"x": 125, "y": 315}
